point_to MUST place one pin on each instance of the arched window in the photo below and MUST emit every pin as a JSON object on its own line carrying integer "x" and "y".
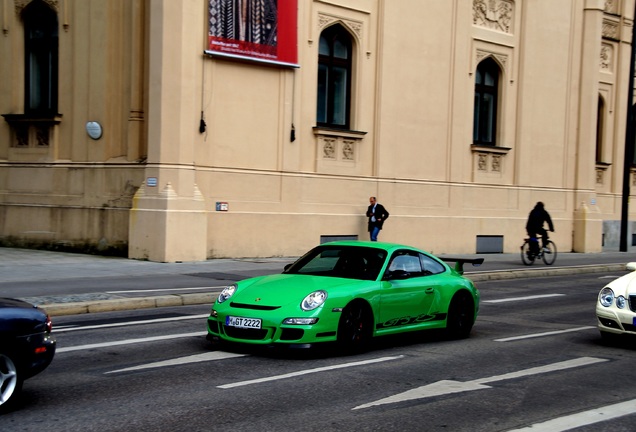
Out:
{"x": 486, "y": 100}
{"x": 600, "y": 128}
{"x": 334, "y": 78}
{"x": 41, "y": 58}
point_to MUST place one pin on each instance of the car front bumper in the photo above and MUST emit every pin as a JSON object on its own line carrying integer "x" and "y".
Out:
{"x": 272, "y": 332}
{"x": 616, "y": 321}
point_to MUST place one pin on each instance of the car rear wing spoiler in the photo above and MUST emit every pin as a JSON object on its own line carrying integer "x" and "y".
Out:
{"x": 459, "y": 262}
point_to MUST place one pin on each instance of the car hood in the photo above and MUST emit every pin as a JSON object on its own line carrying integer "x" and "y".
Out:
{"x": 624, "y": 285}
{"x": 19, "y": 318}
{"x": 281, "y": 289}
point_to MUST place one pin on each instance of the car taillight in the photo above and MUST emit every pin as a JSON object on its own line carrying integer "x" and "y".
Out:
{"x": 49, "y": 324}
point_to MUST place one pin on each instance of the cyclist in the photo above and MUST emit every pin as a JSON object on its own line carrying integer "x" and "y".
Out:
{"x": 534, "y": 226}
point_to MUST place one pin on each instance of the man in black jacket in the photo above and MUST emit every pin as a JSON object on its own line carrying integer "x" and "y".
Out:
{"x": 377, "y": 214}
{"x": 534, "y": 226}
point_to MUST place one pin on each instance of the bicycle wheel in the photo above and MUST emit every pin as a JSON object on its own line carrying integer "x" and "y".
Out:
{"x": 527, "y": 257}
{"x": 549, "y": 253}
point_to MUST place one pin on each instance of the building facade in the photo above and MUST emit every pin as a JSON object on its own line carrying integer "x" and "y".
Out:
{"x": 192, "y": 129}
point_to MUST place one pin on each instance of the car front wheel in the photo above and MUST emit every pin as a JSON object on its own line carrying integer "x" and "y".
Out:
{"x": 355, "y": 328}
{"x": 461, "y": 316}
{"x": 10, "y": 381}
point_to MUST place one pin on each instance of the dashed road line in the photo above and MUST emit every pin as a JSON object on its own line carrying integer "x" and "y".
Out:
{"x": 513, "y": 299}
{"x": 308, "y": 371}
{"x": 544, "y": 334}
{"x": 196, "y": 358}
{"x": 128, "y": 342}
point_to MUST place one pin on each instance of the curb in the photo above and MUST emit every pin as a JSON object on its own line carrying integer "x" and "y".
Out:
{"x": 124, "y": 304}
{"x": 79, "y": 308}
{"x": 540, "y": 272}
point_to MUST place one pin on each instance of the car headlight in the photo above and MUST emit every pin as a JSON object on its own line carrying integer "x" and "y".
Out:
{"x": 300, "y": 321}
{"x": 606, "y": 297}
{"x": 227, "y": 292}
{"x": 313, "y": 300}
{"x": 621, "y": 302}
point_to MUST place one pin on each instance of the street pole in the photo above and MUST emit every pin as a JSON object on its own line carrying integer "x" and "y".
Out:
{"x": 629, "y": 141}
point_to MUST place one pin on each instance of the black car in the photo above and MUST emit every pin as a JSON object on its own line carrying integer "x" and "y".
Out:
{"x": 26, "y": 346}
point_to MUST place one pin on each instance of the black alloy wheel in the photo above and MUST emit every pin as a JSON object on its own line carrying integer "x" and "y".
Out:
{"x": 461, "y": 316}
{"x": 355, "y": 328}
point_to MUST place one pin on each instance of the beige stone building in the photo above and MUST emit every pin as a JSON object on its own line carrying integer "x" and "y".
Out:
{"x": 176, "y": 130}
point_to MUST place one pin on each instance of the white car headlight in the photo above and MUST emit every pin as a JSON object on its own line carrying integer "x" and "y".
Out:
{"x": 621, "y": 302}
{"x": 227, "y": 292}
{"x": 313, "y": 300}
{"x": 606, "y": 297}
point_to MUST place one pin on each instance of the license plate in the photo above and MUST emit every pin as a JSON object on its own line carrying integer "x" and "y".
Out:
{"x": 251, "y": 323}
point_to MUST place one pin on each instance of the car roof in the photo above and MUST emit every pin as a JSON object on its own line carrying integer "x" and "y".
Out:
{"x": 377, "y": 245}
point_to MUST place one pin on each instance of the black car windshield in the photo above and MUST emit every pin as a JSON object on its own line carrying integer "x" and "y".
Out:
{"x": 352, "y": 262}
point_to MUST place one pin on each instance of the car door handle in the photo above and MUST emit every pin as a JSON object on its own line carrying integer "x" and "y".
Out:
{"x": 429, "y": 291}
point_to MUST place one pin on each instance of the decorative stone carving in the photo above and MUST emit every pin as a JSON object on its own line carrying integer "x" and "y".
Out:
{"x": 355, "y": 26}
{"x": 348, "y": 150}
{"x": 611, "y": 6}
{"x": 502, "y": 59}
{"x": 329, "y": 148}
{"x": 610, "y": 29}
{"x": 606, "y": 57}
{"x": 482, "y": 162}
{"x": 494, "y": 14}
{"x": 496, "y": 163}
{"x": 21, "y": 4}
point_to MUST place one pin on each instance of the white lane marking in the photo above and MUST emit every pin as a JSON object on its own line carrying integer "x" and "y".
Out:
{"x": 513, "y": 299}
{"x": 551, "y": 333}
{"x": 609, "y": 277}
{"x": 448, "y": 387}
{"x": 166, "y": 289}
{"x": 308, "y": 371}
{"x": 208, "y": 356}
{"x": 128, "y": 342}
{"x": 584, "y": 418}
{"x": 128, "y": 323}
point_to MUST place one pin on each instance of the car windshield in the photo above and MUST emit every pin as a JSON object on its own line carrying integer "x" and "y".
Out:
{"x": 352, "y": 262}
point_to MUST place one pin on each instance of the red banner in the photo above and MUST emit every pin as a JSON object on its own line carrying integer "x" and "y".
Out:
{"x": 260, "y": 30}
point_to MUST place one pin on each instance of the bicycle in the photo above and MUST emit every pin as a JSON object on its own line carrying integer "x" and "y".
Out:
{"x": 548, "y": 254}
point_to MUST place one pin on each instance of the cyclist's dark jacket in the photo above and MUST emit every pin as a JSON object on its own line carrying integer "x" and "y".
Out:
{"x": 537, "y": 217}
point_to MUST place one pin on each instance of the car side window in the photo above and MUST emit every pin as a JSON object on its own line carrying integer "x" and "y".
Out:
{"x": 406, "y": 263}
{"x": 430, "y": 266}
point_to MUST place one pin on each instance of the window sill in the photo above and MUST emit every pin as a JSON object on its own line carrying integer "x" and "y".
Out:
{"x": 49, "y": 119}
{"x": 342, "y": 133}
{"x": 482, "y": 148}
{"x": 34, "y": 135}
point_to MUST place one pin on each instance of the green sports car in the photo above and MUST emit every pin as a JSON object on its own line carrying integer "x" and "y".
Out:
{"x": 348, "y": 292}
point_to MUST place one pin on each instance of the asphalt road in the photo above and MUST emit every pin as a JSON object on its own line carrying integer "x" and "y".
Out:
{"x": 534, "y": 356}
{"x": 68, "y": 284}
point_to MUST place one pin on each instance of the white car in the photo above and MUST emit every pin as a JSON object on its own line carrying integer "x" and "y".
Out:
{"x": 616, "y": 306}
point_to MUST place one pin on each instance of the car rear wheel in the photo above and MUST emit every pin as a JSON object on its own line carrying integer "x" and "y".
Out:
{"x": 10, "y": 381}
{"x": 355, "y": 328}
{"x": 461, "y": 316}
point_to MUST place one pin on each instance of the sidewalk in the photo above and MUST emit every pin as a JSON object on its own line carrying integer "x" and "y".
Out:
{"x": 25, "y": 265}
